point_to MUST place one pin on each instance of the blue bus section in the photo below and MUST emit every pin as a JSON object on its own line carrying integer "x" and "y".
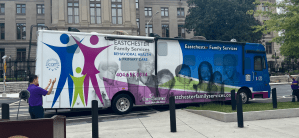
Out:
{"x": 232, "y": 65}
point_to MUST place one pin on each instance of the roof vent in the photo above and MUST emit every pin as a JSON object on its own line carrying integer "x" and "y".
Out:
{"x": 199, "y": 38}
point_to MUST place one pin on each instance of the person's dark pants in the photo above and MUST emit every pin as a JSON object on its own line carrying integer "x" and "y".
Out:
{"x": 296, "y": 92}
{"x": 36, "y": 112}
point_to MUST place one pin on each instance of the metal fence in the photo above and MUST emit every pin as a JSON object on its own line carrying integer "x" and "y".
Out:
{"x": 17, "y": 70}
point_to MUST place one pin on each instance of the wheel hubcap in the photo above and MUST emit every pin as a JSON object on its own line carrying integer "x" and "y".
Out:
{"x": 244, "y": 97}
{"x": 122, "y": 104}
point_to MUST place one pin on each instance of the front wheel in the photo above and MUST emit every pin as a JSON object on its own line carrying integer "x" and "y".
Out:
{"x": 122, "y": 104}
{"x": 244, "y": 95}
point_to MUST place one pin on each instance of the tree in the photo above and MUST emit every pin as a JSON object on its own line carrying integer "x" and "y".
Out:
{"x": 222, "y": 20}
{"x": 287, "y": 22}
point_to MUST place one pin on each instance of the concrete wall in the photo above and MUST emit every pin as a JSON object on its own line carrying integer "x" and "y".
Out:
{"x": 282, "y": 78}
{"x": 14, "y": 87}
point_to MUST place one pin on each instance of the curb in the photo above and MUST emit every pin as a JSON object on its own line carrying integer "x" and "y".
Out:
{"x": 280, "y": 83}
{"x": 248, "y": 116}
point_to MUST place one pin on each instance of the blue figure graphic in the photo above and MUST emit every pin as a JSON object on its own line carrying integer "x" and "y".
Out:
{"x": 66, "y": 55}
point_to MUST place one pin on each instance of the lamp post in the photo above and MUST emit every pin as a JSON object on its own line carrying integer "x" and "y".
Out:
{"x": 4, "y": 71}
{"x": 148, "y": 22}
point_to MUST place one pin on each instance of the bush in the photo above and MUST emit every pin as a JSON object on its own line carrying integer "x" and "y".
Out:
{"x": 275, "y": 57}
{"x": 295, "y": 72}
{"x": 13, "y": 79}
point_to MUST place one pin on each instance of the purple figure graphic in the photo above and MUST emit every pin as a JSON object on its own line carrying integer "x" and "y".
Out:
{"x": 89, "y": 68}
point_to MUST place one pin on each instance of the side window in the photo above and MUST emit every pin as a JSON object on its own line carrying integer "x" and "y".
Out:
{"x": 189, "y": 60}
{"x": 162, "y": 49}
{"x": 129, "y": 65}
{"x": 247, "y": 63}
{"x": 225, "y": 60}
{"x": 258, "y": 66}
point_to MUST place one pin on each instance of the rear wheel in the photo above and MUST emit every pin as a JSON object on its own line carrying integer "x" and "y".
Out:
{"x": 122, "y": 104}
{"x": 244, "y": 95}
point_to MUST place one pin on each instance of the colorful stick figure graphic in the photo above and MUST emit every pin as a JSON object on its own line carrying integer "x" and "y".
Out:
{"x": 89, "y": 68}
{"x": 66, "y": 55}
{"x": 78, "y": 81}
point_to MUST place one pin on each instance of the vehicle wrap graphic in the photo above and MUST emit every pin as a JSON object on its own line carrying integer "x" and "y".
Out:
{"x": 98, "y": 69}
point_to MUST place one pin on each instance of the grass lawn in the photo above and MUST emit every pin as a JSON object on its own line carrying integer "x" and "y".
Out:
{"x": 246, "y": 107}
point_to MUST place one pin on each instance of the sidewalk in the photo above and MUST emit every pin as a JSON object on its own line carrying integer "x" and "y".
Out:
{"x": 280, "y": 83}
{"x": 23, "y": 111}
{"x": 189, "y": 125}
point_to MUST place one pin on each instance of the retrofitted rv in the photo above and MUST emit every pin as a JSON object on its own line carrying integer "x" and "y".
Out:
{"x": 121, "y": 71}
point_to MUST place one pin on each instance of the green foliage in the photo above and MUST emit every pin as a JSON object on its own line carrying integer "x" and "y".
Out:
{"x": 246, "y": 107}
{"x": 287, "y": 22}
{"x": 222, "y": 20}
{"x": 273, "y": 56}
{"x": 295, "y": 72}
{"x": 13, "y": 79}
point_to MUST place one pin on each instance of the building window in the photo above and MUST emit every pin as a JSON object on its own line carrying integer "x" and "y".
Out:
{"x": 21, "y": 54}
{"x": 40, "y": 8}
{"x": 138, "y": 25}
{"x": 21, "y": 9}
{"x": 2, "y": 8}
{"x": 137, "y": 4}
{"x": 270, "y": 64}
{"x": 148, "y": 11}
{"x": 73, "y": 11}
{"x": 165, "y": 30}
{"x": 40, "y": 26}
{"x": 150, "y": 28}
{"x": 264, "y": 8}
{"x": 267, "y": 32}
{"x": 269, "y": 48}
{"x": 95, "y": 11}
{"x": 266, "y": 27}
{"x": 181, "y": 12}
{"x": 21, "y": 31}
{"x": 181, "y": 31}
{"x": 2, "y": 31}
{"x": 116, "y": 12}
{"x": 2, "y": 53}
{"x": 164, "y": 11}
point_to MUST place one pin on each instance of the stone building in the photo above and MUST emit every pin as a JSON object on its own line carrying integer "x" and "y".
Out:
{"x": 102, "y": 16}
{"x": 167, "y": 23}
{"x": 271, "y": 47}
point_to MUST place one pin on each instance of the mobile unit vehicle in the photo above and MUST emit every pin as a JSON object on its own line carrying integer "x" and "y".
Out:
{"x": 120, "y": 71}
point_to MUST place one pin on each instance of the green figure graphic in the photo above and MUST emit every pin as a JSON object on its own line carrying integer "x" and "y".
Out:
{"x": 78, "y": 81}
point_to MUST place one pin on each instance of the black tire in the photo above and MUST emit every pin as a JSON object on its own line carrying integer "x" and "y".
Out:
{"x": 122, "y": 101}
{"x": 245, "y": 97}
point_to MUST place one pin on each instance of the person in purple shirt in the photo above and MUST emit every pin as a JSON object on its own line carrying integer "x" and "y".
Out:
{"x": 295, "y": 87}
{"x": 35, "y": 100}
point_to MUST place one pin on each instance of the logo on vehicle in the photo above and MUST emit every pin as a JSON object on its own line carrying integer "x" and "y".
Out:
{"x": 52, "y": 64}
{"x": 260, "y": 78}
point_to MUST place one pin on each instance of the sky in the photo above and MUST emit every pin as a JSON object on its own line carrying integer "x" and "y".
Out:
{"x": 277, "y": 1}
{"x": 278, "y": 11}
